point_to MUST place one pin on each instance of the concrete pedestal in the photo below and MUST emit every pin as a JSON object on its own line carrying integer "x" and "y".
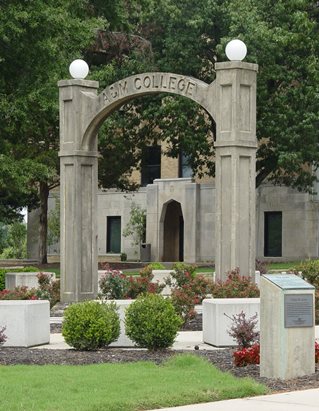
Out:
{"x": 29, "y": 280}
{"x": 287, "y": 332}
{"x": 160, "y": 276}
{"x": 216, "y": 323}
{"x": 123, "y": 340}
{"x": 27, "y": 322}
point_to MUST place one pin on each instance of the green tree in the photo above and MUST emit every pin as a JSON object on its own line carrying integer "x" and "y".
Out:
{"x": 136, "y": 227}
{"x": 16, "y": 241}
{"x": 38, "y": 41}
{"x": 3, "y": 237}
{"x": 282, "y": 37}
{"x": 54, "y": 223}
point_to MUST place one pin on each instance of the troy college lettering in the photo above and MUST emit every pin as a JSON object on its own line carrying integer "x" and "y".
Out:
{"x": 161, "y": 82}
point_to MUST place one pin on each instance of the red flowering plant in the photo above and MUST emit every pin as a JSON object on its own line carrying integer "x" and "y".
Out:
{"x": 249, "y": 355}
{"x": 142, "y": 285}
{"x": 188, "y": 290}
{"x": 247, "y": 338}
{"x": 116, "y": 285}
{"x": 48, "y": 289}
{"x": 235, "y": 286}
{"x": 19, "y": 293}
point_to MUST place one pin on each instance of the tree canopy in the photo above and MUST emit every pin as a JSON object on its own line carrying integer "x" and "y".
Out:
{"x": 39, "y": 39}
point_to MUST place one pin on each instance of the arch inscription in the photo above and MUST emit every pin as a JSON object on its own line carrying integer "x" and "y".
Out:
{"x": 119, "y": 93}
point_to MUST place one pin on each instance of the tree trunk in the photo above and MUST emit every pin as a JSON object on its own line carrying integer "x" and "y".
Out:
{"x": 43, "y": 226}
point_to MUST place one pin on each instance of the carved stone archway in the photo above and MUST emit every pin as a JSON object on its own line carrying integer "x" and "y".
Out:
{"x": 230, "y": 100}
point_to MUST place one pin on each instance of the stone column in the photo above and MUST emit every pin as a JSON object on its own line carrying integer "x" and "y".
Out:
{"x": 191, "y": 222}
{"x": 236, "y": 146}
{"x": 153, "y": 221}
{"x": 78, "y": 193}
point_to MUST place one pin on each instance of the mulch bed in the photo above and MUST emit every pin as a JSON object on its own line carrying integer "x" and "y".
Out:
{"x": 220, "y": 358}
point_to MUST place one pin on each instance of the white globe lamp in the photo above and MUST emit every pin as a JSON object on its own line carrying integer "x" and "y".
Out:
{"x": 79, "y": 69}
{"x": 236, "y": 50}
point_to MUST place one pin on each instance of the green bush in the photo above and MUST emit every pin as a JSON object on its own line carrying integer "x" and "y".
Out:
{"x": 156, "y": 266}
{"x": 90, "y": 325}
{"x": 3, "y": 272}
{"x": 152, "y": 322}
{"x": 310, "y": 271}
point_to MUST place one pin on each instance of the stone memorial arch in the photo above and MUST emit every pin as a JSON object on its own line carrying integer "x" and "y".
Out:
{"x": 230, "y": 100}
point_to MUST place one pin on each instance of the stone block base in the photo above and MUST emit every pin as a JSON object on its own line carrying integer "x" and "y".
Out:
{"x": 216, "y": 323}
{"x": 160, "y": 276}
{"x": 29, "y": 280}
{"x": 27, "y": 322}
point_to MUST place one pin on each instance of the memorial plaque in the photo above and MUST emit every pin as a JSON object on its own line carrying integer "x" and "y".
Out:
{"x": 298, "y": 310}
{"x": 289, "y": 281}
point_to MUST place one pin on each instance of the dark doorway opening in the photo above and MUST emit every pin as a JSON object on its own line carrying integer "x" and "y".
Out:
{"x": 273, "y": 234}
{"x": 173, "y": 233}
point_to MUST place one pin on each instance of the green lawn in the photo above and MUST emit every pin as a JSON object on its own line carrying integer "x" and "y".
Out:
{"x": 283, "y": 266}
{"x": 182, "y": 380}
{"x": 54, "y": 270}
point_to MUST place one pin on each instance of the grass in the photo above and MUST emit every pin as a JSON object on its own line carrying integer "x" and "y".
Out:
{"x": 283, "y": 266}
{"x": 184, "y": 379}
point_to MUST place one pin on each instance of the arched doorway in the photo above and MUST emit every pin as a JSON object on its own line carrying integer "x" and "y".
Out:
{"x": 230, "y": 100}
{"x": 173, "y": 249}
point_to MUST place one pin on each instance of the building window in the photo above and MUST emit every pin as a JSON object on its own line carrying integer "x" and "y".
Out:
{"x": 273, "y": 234}
{"x": 113, "y": 235}
{"x": 185, "y": 170}
{"x": 151, "y": 165}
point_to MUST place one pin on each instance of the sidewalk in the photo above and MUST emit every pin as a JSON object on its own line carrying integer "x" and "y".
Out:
{"x": 290, "y": 401}
{"x": 186, "y": 340}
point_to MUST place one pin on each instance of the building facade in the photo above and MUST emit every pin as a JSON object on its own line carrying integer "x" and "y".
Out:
{"x": 180, "y": 217}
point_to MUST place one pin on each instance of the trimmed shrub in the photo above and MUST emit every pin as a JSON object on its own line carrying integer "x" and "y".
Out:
{"x": 90, "y": 325}
{"x": 236, "y": 286}
{"x": 156, "y": 266}
{"x": 310, "y": 271}
{"x": 152, "y": 322}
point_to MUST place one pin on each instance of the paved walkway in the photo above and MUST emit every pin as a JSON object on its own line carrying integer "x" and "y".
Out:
{"x": 186, "y": 340}
{"x": 290, "y": 401}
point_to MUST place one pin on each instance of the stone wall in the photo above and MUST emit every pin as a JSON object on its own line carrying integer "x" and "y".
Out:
{"x": 300, "y": 219}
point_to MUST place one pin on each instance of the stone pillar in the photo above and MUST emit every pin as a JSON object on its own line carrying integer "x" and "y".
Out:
{"x": 152, "y": 221}
{"x": 236, "y": 146}
{"x": 78, "y": 193}
{"x": 191, "y": 223}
